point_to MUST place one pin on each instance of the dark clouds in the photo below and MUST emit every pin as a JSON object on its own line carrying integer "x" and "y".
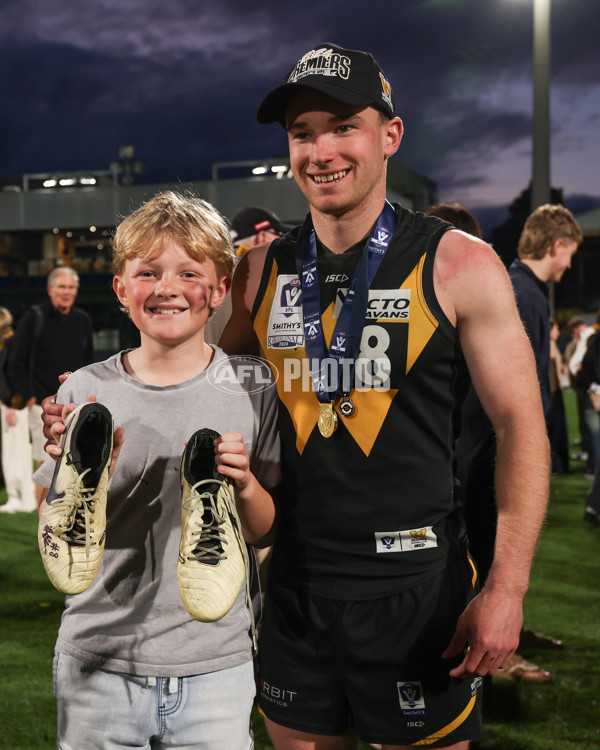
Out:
{"x": 181, "y": 82}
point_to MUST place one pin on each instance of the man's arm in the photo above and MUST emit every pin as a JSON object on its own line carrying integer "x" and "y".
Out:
{"x": 238, "y": 337}
{"x": 475, "y": 292}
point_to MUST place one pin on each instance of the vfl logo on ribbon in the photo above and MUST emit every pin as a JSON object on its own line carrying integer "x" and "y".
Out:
{"x": 381, "y": 239}
{"x": 388, "y": 541}
{"x": 339, "y": 344}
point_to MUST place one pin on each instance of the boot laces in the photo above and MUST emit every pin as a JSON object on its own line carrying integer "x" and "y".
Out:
{"x": 209, "y": 532}
{"x": 78, "y": 508}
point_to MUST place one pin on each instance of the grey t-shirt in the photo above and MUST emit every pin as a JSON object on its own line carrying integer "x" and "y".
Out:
{"x": 131, "y": 619}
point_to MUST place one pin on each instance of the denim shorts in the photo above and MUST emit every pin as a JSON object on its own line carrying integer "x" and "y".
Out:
{"x": 102, "y": 710}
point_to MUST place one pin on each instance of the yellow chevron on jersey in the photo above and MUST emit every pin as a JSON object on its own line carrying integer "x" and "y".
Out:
{"x": 297, "y": 395}
{"x": 301, "y": 402}
{"x": 422, "y": 323}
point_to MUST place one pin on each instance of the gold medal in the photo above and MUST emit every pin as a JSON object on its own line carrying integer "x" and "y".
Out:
{"x": 327, "y": 421}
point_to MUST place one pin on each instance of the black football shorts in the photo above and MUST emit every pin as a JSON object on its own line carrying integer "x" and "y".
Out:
{"x": 329, "y": 665}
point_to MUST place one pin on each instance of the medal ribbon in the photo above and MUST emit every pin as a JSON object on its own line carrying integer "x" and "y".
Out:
{"x": 345, "y": 342}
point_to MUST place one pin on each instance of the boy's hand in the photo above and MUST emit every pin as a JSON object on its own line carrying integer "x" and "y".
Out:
{"x": 54, "y": 450}
{"x": 232, "y": 459}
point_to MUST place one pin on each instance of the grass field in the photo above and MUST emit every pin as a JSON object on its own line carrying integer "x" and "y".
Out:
{"x": 564, "y": 600}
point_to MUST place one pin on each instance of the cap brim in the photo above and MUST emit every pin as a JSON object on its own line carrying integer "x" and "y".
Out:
{"x": 273, "y": 106}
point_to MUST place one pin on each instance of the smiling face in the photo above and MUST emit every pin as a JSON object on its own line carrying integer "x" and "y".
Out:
{"x": 169, "y": 296}
{"x": 338, "y": 152}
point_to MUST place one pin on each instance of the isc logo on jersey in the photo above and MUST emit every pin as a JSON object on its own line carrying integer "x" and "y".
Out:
{"x": 384, "y": 305}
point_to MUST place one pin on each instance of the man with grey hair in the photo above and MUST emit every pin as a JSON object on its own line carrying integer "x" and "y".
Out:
{"x": 51, "y": 338}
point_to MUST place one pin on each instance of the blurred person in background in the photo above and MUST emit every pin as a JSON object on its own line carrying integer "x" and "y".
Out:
{"x": 557, "y": 418}
{"x": 546, "y": 247}
{"x": 581, "y": 332}
{"x": 51, "y": 338}
{"x": 16, "y": 446}
{"x": 250, "y": 227}
{"x": 588, "y": 379}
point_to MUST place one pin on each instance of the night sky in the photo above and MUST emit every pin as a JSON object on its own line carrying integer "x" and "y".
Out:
{"x": 181, "y": 81}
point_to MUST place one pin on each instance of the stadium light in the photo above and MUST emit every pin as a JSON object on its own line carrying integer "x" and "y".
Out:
{"x": 540, "y": 179}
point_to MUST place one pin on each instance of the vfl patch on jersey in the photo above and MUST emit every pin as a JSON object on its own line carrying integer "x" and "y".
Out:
{"x": 285, "y": 329}
{"x": 405, "y": 541}
{"x": 384, "y": 305}
{"x": 410, "y": 694}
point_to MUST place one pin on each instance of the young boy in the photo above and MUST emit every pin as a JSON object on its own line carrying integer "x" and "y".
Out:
{"x": 132, "y": 667}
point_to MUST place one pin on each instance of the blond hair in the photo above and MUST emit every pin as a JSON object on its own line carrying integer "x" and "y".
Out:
{"x": 6, "y": 319}
{"x": 191, "y": 222}
{"x": 544, "y": 226}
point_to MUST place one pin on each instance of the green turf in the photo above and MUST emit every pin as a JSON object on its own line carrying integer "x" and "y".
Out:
{"x": 564, "y": 600}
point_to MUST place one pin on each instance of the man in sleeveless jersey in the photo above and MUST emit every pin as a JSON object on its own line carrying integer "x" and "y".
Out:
{"x": 374, "y": 624}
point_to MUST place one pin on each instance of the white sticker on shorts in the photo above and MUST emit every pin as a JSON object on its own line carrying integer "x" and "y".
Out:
{"x": 405, "y": 541}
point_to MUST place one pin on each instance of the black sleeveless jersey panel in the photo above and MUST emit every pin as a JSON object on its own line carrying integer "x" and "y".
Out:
{"x": 370, "y": 510}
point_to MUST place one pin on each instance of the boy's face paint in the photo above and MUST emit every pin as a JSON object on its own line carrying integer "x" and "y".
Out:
{"x": 170, "y": 296}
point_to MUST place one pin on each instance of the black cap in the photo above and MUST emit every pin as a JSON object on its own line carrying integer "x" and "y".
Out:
{"x": 252, "y": 220}
{"x": 348, "y": 75}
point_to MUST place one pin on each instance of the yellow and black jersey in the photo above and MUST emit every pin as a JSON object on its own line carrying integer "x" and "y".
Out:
{"x": 369, "y": 510}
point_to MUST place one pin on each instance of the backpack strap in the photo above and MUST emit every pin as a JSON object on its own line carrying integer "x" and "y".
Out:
{"x": 37, "y": 332}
